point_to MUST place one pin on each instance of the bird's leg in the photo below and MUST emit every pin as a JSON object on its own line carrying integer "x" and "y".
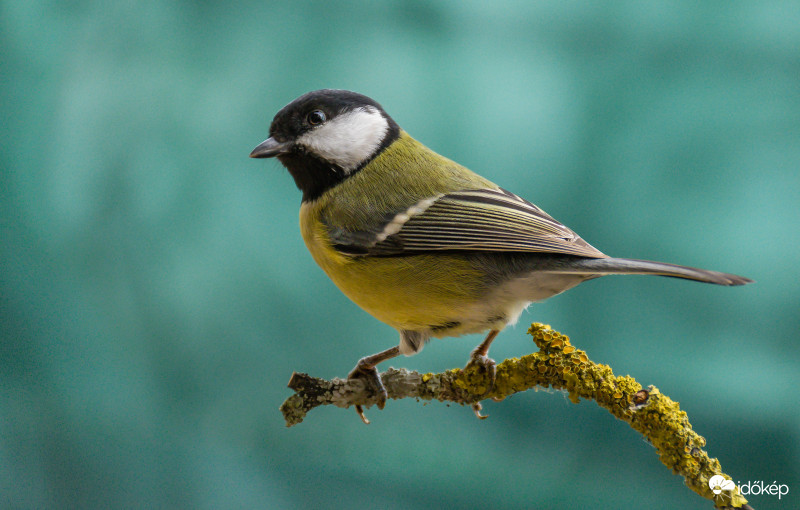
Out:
{"x": 479, "y": 357}
{"x": 365, "y": 369}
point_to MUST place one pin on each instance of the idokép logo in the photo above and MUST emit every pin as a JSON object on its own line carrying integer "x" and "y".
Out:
{"x": 719, "y": 484}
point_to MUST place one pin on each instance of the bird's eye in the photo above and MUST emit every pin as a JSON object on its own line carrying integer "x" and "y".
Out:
{"x": 316, "y": 117}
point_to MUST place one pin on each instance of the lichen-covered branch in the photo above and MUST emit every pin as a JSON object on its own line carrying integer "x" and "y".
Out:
{"x": 558, "y": 365}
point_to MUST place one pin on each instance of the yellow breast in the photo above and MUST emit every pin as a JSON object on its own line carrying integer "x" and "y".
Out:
{"x": 411, "y": 293}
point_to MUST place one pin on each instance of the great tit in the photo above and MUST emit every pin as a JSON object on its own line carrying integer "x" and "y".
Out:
{"x": 419, "y": 241}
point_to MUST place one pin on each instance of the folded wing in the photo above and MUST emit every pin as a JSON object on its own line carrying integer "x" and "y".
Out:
{"x": 492, "y": 220}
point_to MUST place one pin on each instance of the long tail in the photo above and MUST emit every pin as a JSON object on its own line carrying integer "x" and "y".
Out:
{"x": 631, "y": 266}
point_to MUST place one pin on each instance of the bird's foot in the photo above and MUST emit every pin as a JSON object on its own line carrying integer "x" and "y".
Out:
{"x": 372, "y": 379}
{"x": 486, "y": 368}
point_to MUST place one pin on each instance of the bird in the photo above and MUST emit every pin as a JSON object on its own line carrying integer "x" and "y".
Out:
{"x": 420, "y": 242}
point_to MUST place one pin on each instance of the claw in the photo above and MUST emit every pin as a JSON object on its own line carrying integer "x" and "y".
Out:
{"x": 360, "y": 412}
{"x": 365, "y": 369}
{"x": 372, "y": 378}
{"x": 480, "y": 357}
{"x": 476, "y": 408}
{"x": 488, "y": 365}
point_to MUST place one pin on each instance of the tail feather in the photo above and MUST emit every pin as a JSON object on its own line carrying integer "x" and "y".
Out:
{"x": 605, "y": 266}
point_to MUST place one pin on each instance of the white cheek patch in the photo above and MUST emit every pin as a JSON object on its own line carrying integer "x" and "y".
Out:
{"x": 349, "y": 139}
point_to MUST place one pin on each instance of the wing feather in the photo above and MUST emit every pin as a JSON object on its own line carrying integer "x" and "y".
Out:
{"x": 472, "y": 220}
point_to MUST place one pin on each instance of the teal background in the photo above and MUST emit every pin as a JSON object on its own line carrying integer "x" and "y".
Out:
{"x": 156, "y": 293}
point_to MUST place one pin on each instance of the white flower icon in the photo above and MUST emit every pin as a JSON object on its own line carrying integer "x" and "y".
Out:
{"x": 719, "y": 483}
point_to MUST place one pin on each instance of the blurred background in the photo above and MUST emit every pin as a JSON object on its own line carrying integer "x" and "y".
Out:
{"x": 156, "y": 294}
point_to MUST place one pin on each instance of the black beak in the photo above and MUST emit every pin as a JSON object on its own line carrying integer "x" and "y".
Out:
{"x": 270, "y": 148}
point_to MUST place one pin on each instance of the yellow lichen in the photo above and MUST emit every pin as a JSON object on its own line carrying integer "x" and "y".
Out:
{"x": 648, "y": 411}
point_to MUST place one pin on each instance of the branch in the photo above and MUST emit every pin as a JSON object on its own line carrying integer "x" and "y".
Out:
{"x": 558, "y": 365}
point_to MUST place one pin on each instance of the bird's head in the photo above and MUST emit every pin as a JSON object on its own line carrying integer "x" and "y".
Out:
{"x": 325, "y": 136}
